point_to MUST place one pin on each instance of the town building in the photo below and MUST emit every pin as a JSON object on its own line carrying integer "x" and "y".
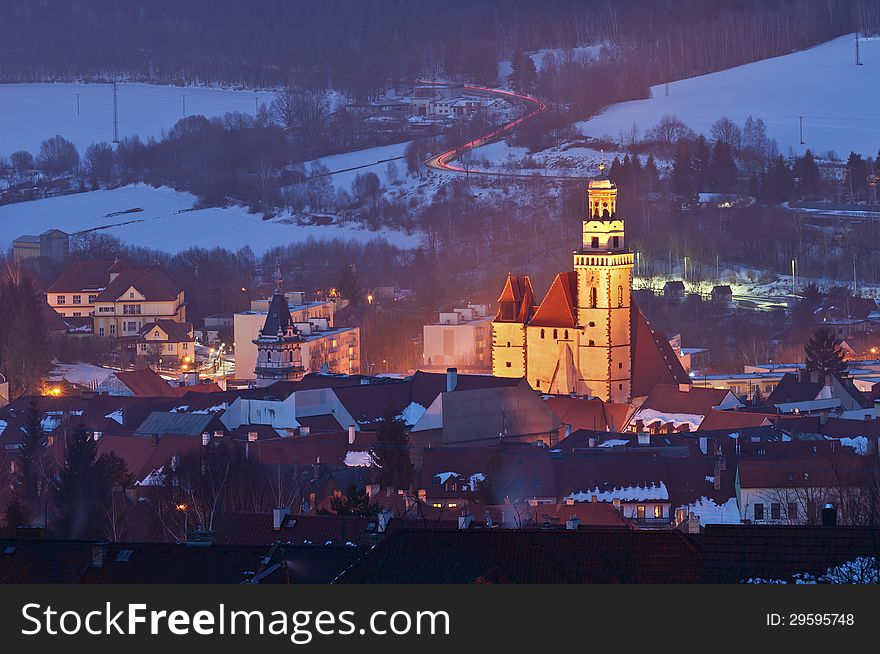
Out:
{"x": 460, "y": 338}
{"x": 323, "y": 345}
{"x": 136, "y": 297}
{"x": 166, "y": 340}
{"x": 73, "y": 294}
{"x": 51, "y": 244}
{"x": 586, "y": 336}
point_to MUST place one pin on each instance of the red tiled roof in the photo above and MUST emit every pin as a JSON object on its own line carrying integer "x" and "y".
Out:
{"x": 557, "y": 309}
{"x": 670, "y": 399}
{"x": 528, "y": 556}
{"x": 85, "y": 275}
{"x": 653, "y": 359}
{"x": 153, "y": 283}
{"x": 592, "y": 413}
{"x": 518, "y": 290}
{"x": 721, "y": 419}
{"x": 819, "y": 471}
{"x": 146, "y": 383}
{"x": 258, "y": 529}
{"x": 177, "y": 332}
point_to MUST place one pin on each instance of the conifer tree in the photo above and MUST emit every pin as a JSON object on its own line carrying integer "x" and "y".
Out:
{"x": 391, "y": 453}
{"x": 824, "y": 354}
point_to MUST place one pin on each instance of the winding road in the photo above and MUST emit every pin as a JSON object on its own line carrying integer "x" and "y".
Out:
{"x": 443, "y": 161}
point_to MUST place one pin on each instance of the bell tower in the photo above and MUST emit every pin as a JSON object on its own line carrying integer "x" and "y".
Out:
{"x": 604, "y": 270}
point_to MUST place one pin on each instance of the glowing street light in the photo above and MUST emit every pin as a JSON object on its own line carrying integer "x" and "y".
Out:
{"x": 369, "y": 298}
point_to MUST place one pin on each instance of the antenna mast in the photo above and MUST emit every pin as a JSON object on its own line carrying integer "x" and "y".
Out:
{"x": 115, "y": 117}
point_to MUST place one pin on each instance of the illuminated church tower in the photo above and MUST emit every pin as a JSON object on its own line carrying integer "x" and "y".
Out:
{"x": 604, "y": 270}
{"x": 578, "y": 339}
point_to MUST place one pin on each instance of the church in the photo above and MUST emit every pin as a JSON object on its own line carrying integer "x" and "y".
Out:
{"x": 586, "y": 337}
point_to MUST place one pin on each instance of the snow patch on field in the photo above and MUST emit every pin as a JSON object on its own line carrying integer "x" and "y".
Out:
{"x": 837, "y": 99}
{"x": 168, "y": 222}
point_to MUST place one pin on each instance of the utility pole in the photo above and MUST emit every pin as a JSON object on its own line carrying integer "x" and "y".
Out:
{"x": 858, "y": 54}
{"x": 802, "y": 129}
{"x": 184, "y": 105}
{"x": 77, "y": 104}
{"x": 256, "y": 105}
{"x": 115, "y": 117}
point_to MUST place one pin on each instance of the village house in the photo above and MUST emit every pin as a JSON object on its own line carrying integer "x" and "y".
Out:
{"x": 460, "y": 338}
{"x": 136, "y": 297}
{"x": 73, "y": 294}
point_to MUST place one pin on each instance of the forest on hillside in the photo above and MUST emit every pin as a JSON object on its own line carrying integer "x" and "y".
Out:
{"x": 361, "y": 48}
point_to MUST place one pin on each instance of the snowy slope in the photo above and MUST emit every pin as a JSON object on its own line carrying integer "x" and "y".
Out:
{"x": 838, "y": 100}
{"x": 167, "y": 222}
{"x": 369, "y": 160}
{"x": 30, "y": 113}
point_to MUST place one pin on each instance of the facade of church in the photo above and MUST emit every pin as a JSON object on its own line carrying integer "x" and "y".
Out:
{"x": 586, "y": 337}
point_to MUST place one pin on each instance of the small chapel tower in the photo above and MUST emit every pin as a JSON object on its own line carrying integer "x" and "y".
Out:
{"x": 604, "y": 269}
{"x": 279, "y": 357}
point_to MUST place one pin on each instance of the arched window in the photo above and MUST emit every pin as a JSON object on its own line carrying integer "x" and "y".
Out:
{"x": 593, "y": 296}
{"x": 620, "y": 296}
{"x": 542, "y": 333}
{"x": 566, "y": 334}
{"x": 555, "y": 334}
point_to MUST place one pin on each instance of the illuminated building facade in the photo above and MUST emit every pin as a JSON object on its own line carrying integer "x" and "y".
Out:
{"x": 579, "y": 338}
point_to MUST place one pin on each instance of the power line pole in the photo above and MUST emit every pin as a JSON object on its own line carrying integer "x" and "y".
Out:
{"x": 802, "y": 129}
{"x": 858, "y": 54}
{"x": 115, "y": 117}
{"x": 184, "y": 105}
{"x": 77, "y": 104}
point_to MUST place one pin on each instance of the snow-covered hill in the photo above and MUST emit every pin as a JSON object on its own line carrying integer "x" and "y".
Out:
{"x": 30, "y": 113}
{"x": 165, "y": 220}
{"x": 837, "y": 99}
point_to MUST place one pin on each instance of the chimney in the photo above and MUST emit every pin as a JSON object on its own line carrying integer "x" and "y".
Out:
{"x": 351, "y": 434}
{"x": 704, "y": 445}
{"x": 465, "y": 520}
{"x": 278, "y": 516}
{"x": 829, "y": 515}
{"x": 684, "y": 388}
{"x": 451, "y": 379}
{"x": 616, "y": 503}
{"x": 594, "y": 499}
{"x": 206, "y": 438}
{"x": 573, "y": 523}
{"x": 99, "y": 554}
{"x": 694, "y": 524}
{"x": 384, "y": 518}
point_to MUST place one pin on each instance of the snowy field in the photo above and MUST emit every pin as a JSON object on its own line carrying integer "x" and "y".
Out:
{"x": 372, "y": 159}
{"x": 837, "y": 99}
{"x": 30, "y": 113}
{"x": 165, "y": 220}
